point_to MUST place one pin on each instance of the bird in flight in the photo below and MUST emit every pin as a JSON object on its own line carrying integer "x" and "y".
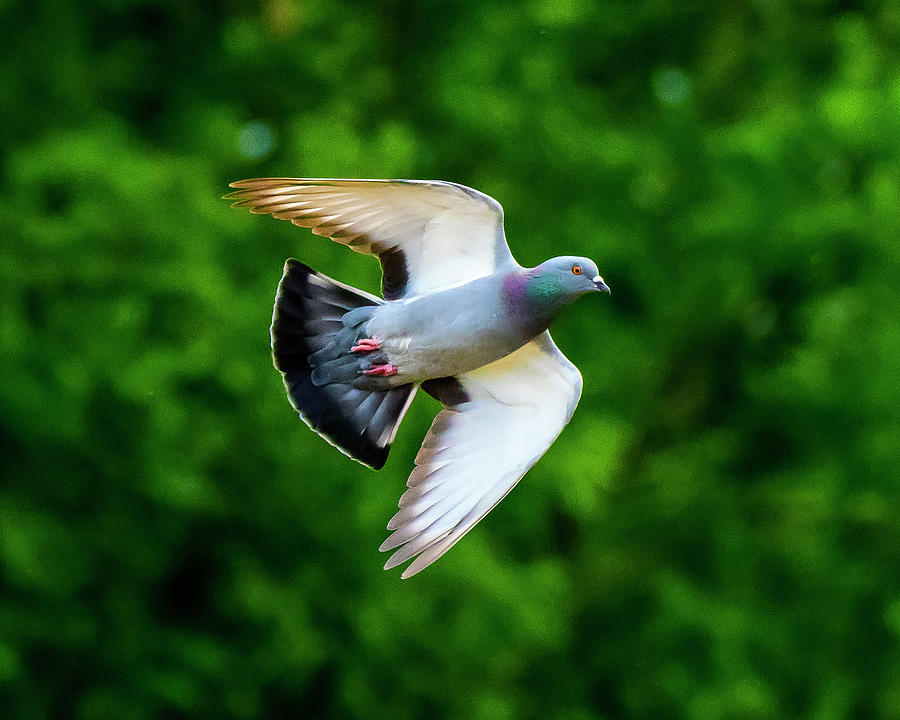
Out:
{"x": 459, "y": 318}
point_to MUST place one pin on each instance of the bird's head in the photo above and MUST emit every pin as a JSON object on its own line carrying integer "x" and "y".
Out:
{"x": 562, "y": 279}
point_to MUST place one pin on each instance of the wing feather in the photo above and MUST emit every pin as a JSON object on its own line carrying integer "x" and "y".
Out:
{"x": 478, "y": 449}
{"x": 447, "y": 233}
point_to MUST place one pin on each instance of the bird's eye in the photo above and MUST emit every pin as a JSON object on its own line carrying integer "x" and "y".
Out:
{"x": 576, "y": 269}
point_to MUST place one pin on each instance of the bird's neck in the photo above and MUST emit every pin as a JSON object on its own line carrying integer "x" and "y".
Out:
{"x": 536, "y": 297}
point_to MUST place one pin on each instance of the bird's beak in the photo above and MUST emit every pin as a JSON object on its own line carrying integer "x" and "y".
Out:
{"x": 600, "y": 285}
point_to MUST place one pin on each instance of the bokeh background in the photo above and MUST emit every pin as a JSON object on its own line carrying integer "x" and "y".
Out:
{"x": 716, "y": 533}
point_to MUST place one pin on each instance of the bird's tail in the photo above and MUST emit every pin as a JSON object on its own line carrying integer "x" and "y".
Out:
{"x": 317, "y": 318}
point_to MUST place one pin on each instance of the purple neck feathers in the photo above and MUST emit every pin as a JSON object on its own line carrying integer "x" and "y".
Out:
{"x": 515, "y": 286}
{"x": 523, "y": 302}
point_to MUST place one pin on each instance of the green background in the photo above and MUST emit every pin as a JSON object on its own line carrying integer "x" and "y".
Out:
{"x": 715, "y": 534}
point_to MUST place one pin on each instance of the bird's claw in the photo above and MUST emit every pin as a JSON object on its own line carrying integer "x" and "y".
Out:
{"x": 382, "y": 370}
{"x": 366, "y": 345}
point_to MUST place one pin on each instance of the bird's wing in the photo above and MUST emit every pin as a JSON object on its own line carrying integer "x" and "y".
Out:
{"x": 428, "y": 234}
{"x": 496, "y": 424}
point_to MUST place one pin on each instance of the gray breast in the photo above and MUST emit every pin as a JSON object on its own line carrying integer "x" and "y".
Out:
{"x": 448, "y": 332}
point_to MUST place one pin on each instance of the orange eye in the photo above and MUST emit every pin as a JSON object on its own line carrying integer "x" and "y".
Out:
{"x": 576, "y": 269}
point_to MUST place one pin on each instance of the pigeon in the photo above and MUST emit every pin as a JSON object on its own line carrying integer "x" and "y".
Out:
{"x": 459, "y": 318}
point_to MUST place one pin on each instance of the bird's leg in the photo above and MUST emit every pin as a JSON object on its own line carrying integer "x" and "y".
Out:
{"x": 382, "y": 370}
{"x": 365, "y": 345}
{"x": 379, "y": 365}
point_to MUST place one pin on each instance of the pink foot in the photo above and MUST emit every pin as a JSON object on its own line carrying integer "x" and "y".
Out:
{"x": 382, "y": 370}
{"x": 365, "y": 345}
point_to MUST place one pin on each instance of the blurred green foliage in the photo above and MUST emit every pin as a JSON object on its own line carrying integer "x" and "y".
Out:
{"x": 716, "y": 533}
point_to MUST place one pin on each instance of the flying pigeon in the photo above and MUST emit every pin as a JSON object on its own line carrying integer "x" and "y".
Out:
{"x": 460, "y": 318}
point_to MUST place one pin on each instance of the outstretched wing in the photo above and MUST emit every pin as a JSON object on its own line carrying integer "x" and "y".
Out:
{"x": 428, "y": 234}
{"x": 493, "y": 428}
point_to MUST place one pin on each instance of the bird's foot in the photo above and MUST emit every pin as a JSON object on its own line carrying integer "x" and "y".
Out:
{"x": 382, "y": 370}
{"x": 365, "y": 345}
